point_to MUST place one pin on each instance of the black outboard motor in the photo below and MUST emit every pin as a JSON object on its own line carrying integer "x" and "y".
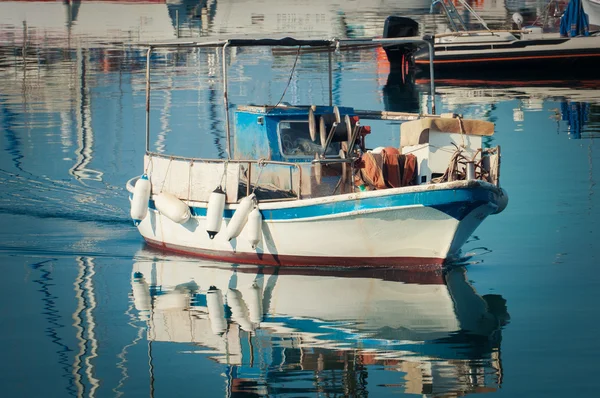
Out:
{"x": 400, "y": 27}
{"x": 394, "y": 27}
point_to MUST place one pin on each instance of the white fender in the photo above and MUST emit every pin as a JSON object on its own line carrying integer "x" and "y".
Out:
{"x": 502, "y": 201}
{"x": 172, "y": 208}
{"x": 139, "y": 201}
{"x": 216, "y": 312}
{"x": 255, "y": 304}
{"x": 214, "y": 212}
{"x": 240, "y": 217}
{"x": 254, "y": 227}
{"x": 239, "y": 310}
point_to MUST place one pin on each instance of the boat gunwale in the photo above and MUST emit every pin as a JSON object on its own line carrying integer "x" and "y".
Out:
{"x": 353, "y": 196}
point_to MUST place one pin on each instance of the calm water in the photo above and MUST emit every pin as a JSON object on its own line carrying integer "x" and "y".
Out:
{"x": 88, "y": 310}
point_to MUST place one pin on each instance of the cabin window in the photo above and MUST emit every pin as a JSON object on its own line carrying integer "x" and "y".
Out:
{"x": 294, "y": 140}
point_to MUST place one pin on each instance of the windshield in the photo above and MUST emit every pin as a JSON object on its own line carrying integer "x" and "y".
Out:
{"x": 294, "y": 138}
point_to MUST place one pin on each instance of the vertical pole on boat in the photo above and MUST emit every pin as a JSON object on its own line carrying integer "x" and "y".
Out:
{"x": 431, "y": 77}
{"x": 148, "y": 99}
{"x": 248, "y": 190}
{"x": 225, "y": 99}
{"x": 330, "y": 76}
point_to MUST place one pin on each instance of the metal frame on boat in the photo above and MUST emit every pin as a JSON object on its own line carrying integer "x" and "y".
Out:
{"x": 300, "y": 187}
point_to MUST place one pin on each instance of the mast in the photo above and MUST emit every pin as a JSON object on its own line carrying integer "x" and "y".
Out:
{"x": 226, "y": 101}
{"x": 148, "y": 98}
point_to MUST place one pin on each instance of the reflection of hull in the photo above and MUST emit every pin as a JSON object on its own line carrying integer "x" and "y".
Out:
{"x": 58, "y": 24}
{"x": 443, "y": 305}
{"x": 577, "y": 99}
{"x": 266, "y": 16}
{"x": 476, "y": 91}
{"x": 431, "y": 325}
{"x": 376, "y": 303}
{"x": 309, "y": 17}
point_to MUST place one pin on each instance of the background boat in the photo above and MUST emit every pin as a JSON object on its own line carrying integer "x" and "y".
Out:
{"x": 471, "y": 47}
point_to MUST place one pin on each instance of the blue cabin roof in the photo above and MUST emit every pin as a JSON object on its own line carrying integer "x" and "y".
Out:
{"x": 283, "y": 134}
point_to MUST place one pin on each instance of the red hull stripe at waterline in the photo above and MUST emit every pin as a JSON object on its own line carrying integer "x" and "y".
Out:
{"x": 413, "y": 263}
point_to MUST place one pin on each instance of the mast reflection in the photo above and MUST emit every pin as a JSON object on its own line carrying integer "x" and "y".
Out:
{"x": 274, "y": 329}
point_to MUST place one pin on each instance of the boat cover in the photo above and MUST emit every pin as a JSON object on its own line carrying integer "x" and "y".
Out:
{"x": 417, "y": 131}
{"x": 574, "y": 21}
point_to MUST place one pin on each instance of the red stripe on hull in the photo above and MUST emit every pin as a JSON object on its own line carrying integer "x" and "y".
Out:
{"x": 502, "y": 59}
{"x": 412, "y": 263}
{"x": 394, "y": 274}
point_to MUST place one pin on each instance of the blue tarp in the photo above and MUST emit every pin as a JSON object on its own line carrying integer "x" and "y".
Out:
{"x": 574, "y": 21}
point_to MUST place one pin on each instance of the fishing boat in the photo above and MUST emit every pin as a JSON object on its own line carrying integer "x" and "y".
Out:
{"x": 492, "y": 53}
{"x": 299, "y": 185}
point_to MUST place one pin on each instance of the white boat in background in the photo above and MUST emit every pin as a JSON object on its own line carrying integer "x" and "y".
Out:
{"x": 463, "y": 52}
{"x": 300, "y": 187}
{"x": 433, "y": 327}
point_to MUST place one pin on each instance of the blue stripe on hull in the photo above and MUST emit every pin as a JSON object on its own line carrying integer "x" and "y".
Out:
{"x": 456, "y": 203}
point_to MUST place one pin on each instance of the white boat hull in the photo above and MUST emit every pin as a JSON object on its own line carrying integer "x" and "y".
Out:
{"x": 412, "y": 226}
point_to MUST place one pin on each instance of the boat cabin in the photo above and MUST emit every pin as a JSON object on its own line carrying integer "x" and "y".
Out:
{"x": 312, "y": 137}
{"x": 290, "y": 133}
{"x": 324, "y": 142}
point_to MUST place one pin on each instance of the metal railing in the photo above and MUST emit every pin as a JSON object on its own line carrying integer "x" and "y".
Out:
{"x": 250, "y": 163}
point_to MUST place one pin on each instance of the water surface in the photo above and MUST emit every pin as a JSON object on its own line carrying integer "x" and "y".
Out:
{"x": 90, "y": 311}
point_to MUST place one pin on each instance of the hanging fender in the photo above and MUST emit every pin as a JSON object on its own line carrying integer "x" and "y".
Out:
{"x": 172, "y": 208}
{"x": 240, "y": 217}
{"x": 214, "y": 212}
{"x": 140, "y": 198}
{"x": 254, "y": 227}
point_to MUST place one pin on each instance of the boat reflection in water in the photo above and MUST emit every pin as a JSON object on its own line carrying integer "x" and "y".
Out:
{"x": 401, "y": 94}
{"x": 273, "y": 329}
{"x": 574, "y": 102}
